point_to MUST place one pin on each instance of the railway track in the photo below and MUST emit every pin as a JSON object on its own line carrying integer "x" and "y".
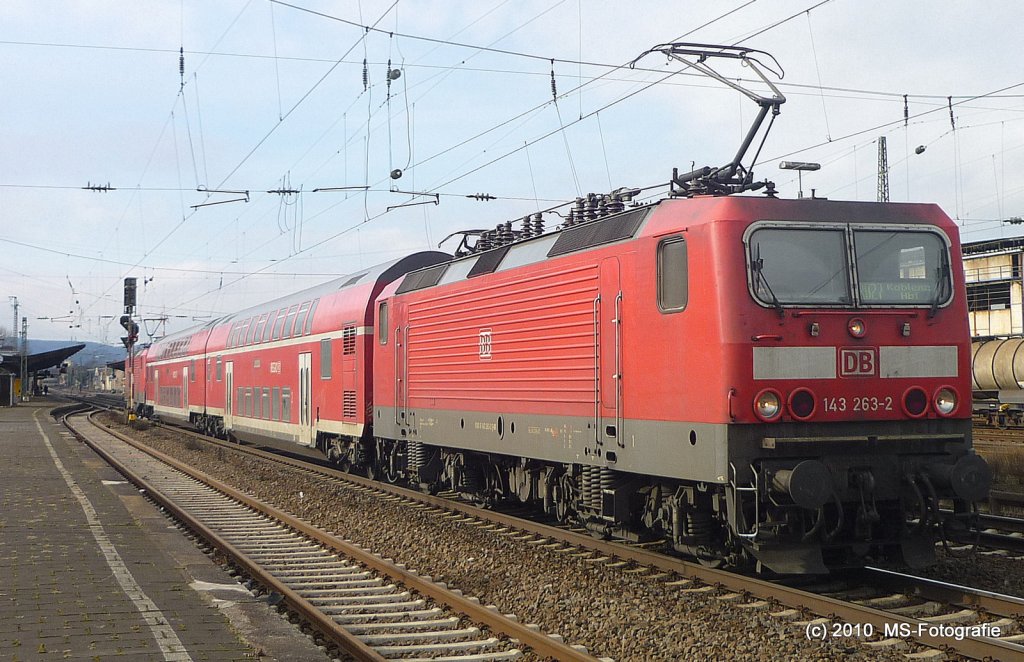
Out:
{"x": 883, "y": 608}
{"x": 370, "y": 608}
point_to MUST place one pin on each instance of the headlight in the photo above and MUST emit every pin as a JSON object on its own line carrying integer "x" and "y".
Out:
{"x": 856, "y": 327}
{"x": 945, "y": 401}
{"x": 767, "y": 405}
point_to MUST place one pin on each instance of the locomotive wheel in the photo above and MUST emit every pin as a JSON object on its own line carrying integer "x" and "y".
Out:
{"x": 562, "y": 498}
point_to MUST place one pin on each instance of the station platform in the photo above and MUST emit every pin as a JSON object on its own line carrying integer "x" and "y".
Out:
{"x": 90, "y": 570}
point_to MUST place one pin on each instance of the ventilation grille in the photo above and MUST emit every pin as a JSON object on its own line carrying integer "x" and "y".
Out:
{"x": 348, "y": 406}
{"x": 421, "y": 279}
{"x": 348, "y": 340}
{"x": 352, "y": 281}
{"x": 595, "y": 233}
{"x": 489, "y": 261}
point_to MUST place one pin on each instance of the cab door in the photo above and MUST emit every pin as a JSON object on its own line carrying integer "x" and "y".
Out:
{"x": 609, "y": 359}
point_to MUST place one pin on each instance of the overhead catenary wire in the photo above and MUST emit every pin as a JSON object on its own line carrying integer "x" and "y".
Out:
{"x": 579, "y": 78}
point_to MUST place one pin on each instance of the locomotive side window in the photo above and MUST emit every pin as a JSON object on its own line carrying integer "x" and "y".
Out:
{"x": 673, "y": 285}
{"x": 325, "y": 358}
{"x": 799, "y": 266}
{"x": 382, "y": 323}
{"x": 901, "y": 267}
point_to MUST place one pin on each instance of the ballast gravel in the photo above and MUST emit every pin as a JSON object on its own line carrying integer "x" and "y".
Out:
{"x": 613, "y": 613}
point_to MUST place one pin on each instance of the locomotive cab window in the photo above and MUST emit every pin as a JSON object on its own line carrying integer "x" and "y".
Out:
{"x": 799, "y": 266}
{"x": 382, "y": 323}
{"x": 848, "y": 265}
{"x": 901, "y": 267}
{"x": 673, "y": 286}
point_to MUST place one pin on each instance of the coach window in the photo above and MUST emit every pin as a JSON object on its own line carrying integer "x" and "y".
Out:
{"x": 309, "y": 318}
{"x": 279, "y": 323}
{"x": 245, "y": 336}
{"x": 382, "y": 323}
{"x": 673, "y": 288}
{"x": 261, "y": 322}
{"x": 243, "y": 331}
{"x": 275, "y": 403}
{"x": 300, "y": 319}
{"x": 286, "y": 404}
{"x": 289, "y": 321}
{"x": 325, "y": 358}
{"x": 220, "y": 371}
{"x": 266, "y": 402}
{"x": 251, "y": 331}
{"x": 269, "y": 326}
{"x": 192, "y": 371}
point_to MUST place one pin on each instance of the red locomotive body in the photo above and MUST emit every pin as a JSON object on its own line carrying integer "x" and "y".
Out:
{"x": 781, "y": 379}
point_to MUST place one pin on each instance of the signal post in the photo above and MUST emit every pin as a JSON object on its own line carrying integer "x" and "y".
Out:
{"x": 129, "y": 340}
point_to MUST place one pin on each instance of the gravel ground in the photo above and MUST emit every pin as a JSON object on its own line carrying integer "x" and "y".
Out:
{"x": 613, "y": 613}
{"x": 991, "y": 573}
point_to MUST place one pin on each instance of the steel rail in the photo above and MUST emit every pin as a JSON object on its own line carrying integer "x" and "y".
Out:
{"x": 540, "y": 642}
{"x": 976, "y": 647}
{"x": 335, "y": 633}
{"x": 932, "y": 589}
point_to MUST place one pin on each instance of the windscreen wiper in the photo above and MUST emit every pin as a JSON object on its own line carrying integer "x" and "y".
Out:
{"x": 758, "y": 267}
{"x": 941, "y": 286}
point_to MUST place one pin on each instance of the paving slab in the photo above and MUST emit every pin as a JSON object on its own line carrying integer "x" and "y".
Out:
{"x": 91, "y": 570}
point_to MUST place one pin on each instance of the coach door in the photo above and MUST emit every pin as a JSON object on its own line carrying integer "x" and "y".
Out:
{"x": 229, "y": 394}
{"x": 184, "y": 390}
{"x": 305, "y": 399}
{"x": 609, "y": 355}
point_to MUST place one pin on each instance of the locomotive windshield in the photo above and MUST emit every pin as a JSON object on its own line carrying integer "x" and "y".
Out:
{"x": 799, "y": 266}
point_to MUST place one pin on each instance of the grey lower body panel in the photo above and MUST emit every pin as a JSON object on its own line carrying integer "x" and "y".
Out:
{"x": 690, "y": 451}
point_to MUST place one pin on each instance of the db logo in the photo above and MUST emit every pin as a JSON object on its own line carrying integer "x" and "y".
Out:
{"x": 485, "y": 343}
{"x": 859, "y": 362}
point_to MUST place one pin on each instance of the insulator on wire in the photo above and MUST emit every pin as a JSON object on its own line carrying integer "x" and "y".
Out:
{"x": 366, "y": 76}
{"x": 906, "y": 110}
{"x": 181, "y": 65}
{"x": 554, "y": 87}
{"x": 389, "y": 78}
{"x": 952, "y": 120}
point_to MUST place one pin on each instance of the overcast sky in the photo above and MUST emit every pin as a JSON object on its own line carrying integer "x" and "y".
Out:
{"x": 273, "y": 99}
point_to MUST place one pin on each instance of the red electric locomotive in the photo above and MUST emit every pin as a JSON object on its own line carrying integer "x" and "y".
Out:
{"x": 785, "y": 382}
